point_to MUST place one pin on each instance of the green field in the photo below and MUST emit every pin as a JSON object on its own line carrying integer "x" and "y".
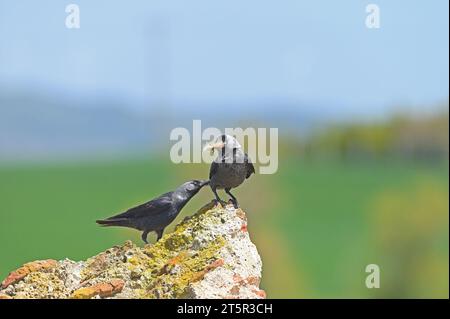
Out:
{"x": 316, "y": 224}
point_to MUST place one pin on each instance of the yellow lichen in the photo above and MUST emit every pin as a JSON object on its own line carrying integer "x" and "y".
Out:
{"x": 190, "y": 268}
{"x": 166, "y": 268}
{"x": 45, "y": 285}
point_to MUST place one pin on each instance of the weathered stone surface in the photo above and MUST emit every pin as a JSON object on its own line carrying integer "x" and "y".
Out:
{"x": 22, "y": 272}
{"x": 105, "y": 289}
{"x": 209, "y": 255}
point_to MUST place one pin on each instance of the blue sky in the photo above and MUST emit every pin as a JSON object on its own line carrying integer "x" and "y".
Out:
{"x": 318, "y": 52}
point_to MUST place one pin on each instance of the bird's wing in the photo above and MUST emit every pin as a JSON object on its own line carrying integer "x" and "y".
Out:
{"x": 249, "y": 166}
{"x": 213, "y": 169}
{"x": 154, "y": 207}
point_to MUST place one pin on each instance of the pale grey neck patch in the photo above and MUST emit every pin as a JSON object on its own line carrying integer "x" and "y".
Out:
{"x": 231, "y": 156}
{"x": 231, "y": 143}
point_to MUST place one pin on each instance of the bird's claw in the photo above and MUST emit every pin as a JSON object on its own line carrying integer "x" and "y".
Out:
{"x": 221, "y": 202}
{"x": 235, "y": 204}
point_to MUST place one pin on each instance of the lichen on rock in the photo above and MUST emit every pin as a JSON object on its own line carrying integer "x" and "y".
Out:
{"x": 208, "y": 255}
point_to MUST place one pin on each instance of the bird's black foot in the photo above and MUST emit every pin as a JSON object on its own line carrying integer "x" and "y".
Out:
{"x": 235, "y": 203}
{"x": 144, "y": 237}
{"x": 221, "y": 202}
{"x": 217, "y": 199}
{"x": 159, "y": 234}
{"x": 232, "y": 198}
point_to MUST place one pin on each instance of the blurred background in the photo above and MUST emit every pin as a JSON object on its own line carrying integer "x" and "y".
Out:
{"x": 85, "y": 117}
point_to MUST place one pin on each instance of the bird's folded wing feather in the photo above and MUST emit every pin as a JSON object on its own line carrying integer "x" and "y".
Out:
{"x": 249, "y": 165}
{"x": 154, "y": 207}
{"x": 213, "y": 169}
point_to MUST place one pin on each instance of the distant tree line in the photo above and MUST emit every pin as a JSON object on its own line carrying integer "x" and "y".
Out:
{"x": 423, "y": 138}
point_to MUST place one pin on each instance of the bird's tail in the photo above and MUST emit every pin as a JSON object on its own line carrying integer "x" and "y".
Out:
{"x": 113, "y": 222}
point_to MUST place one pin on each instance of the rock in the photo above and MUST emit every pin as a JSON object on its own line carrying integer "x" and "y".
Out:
{"x": 208, "y": 255}
{"x": 105, "y": 289}
{"x": 22, "y": 272}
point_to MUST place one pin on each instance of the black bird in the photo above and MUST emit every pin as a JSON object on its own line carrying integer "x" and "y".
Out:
{"x": 156, "y": 214}
{"x": 231, "y": 167}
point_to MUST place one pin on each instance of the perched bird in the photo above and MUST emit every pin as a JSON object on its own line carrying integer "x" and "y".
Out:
{"x": 231, "y": 167}
{"x": 156, "y": 214}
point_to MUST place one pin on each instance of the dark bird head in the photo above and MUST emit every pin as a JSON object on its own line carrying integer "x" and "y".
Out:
{"x": 223, "y": 141}
{"x": 190, "y": 188}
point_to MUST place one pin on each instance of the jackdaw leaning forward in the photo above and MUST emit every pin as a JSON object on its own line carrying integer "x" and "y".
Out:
{"x": 157, "y": 214}
{"x": 231, "y": 167}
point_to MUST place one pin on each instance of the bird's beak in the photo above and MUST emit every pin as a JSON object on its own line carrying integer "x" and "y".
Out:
{"x": 212, "y": 146}
{"x": 205, "y": 182}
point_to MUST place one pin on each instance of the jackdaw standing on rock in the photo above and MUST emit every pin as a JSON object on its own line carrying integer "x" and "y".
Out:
{"x": 157, "y": 214}
{"x": 231, "y": 167}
